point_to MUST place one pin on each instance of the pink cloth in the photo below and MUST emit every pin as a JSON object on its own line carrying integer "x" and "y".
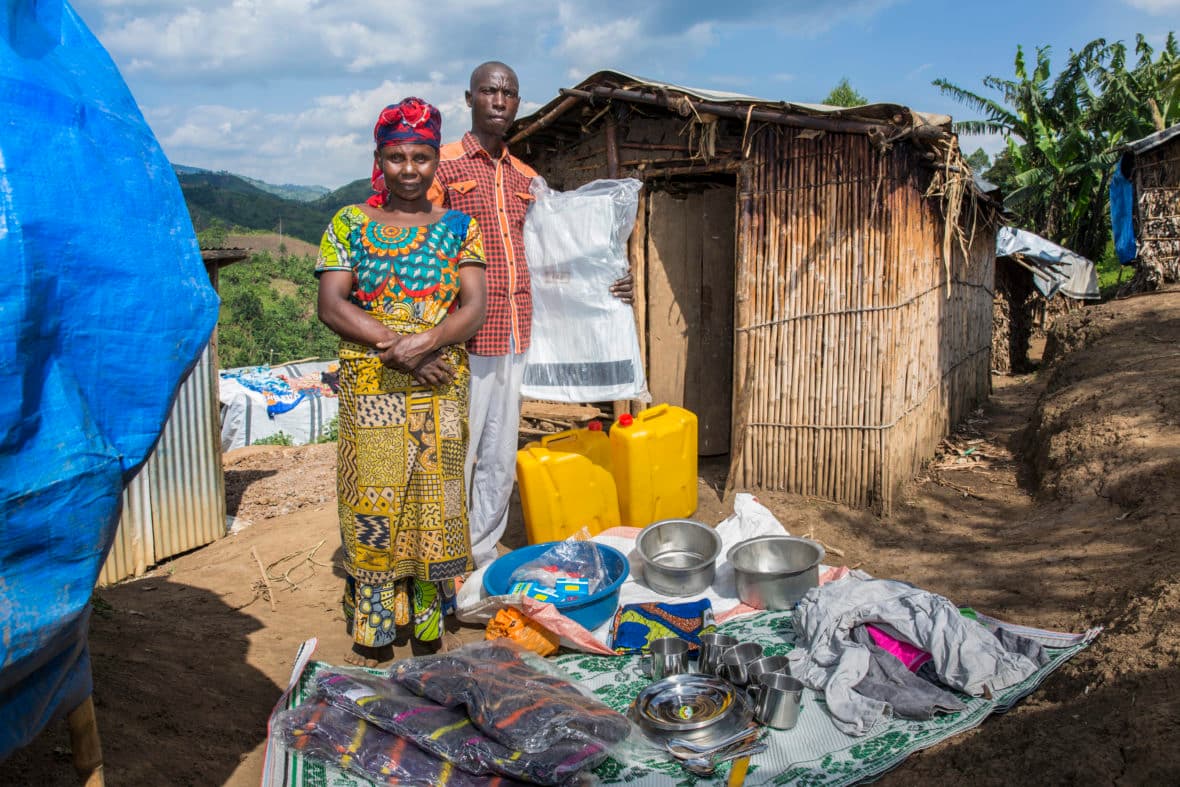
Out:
{"x": 906, "y": 653}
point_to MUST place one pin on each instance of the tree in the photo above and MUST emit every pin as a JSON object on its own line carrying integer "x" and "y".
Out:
{"x": 843, "y": 95}
{"x": 268, "y": 312}
{"x": 213, "y": 237}
{"x": 979, "y": 161}
{"x": 1062, "y": 133}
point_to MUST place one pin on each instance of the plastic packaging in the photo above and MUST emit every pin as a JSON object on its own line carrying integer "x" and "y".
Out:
{"x": 511, "y": 623}
{"x": 331, "y": 734}
{"x": 654, "y": 456}
{"x": 446, "y": 732}
{"x": 566, "y": 484}
{"x": 513, "y": 697}
{"x": 576, "y": 243}
{"x": 571, "y": 559}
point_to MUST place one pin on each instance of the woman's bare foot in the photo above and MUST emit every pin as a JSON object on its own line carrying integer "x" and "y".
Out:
{"x": 363, "y": 656}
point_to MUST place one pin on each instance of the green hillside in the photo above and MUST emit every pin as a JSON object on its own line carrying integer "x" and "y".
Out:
{"x": 357, "y": 191}
{"x": 236, "y": 203}
{"x": 217, "y": 197}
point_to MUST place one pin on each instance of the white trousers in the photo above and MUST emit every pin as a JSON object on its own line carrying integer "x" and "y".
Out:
{"x": 494, "y": 423}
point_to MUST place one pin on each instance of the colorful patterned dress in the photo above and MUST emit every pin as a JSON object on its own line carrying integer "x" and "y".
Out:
{"x": 400, "y": 489}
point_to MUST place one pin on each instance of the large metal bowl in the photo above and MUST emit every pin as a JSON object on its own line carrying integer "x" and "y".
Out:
{"x": 679, "y": 556}
{"x": 774, "y": 572}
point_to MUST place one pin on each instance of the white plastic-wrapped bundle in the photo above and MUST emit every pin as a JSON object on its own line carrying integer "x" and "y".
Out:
{"x": 584, "y": 346}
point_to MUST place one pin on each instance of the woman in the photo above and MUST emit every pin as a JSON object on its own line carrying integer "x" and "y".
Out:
{"x": 402, "y": 283}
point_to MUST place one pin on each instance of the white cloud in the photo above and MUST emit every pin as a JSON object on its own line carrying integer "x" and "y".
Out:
{"x": 276, "y": 39}
{"x": 1155, "y": 6}
{"x": 589, "y": 43}
{"x": 329, "y": 142}
{"x": 287, "y": 90}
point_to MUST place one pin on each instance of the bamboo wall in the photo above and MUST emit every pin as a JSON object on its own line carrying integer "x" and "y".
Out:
{"x": 1157, "y": 193}
{"x": 858, "y": 343}
{"x": 1012, "y": 317}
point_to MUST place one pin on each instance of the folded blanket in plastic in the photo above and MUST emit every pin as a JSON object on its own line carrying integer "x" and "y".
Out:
{"x": 483, "y": 711}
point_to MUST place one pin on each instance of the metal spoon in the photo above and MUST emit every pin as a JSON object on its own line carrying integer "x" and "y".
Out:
{"x": 704, "y": 766}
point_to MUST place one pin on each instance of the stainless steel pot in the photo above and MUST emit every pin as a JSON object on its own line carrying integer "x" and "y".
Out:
{"x": 679, "y": 556}
{"x": 774, "y": 572}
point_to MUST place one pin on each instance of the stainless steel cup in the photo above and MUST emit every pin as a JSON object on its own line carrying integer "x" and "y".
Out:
{"x": 735, "y": 662}
{"x": 712, "y": 648}
{"x": 778, "y": 700}
{"x": 768, "y": 664}
{"x": 666, "y": 656}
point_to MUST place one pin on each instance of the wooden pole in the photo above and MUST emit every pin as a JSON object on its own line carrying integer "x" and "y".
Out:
{"x": 610, "y": 129}
{"x": 652, "y": 169}
{"x": 85, "y": 743}
{"x": 743, "y": 315}
{"x": 752, "y": 458}
{"x": 776, "y": 218}
{"x": 637, "y": 255}
{"x": 565, "y": 105}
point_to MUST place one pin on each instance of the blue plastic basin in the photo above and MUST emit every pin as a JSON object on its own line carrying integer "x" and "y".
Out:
{"x": 592, "y": 611}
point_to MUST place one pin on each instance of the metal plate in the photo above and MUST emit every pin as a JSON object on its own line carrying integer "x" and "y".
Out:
{"x": 694, "y": 707}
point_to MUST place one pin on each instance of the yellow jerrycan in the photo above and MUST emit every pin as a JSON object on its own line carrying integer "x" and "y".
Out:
{"x": 566, "y": 484}
{"x": 654, "y": 458}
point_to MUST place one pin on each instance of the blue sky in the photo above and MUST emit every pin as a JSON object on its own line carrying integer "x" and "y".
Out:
{"x": 287, "y": 90}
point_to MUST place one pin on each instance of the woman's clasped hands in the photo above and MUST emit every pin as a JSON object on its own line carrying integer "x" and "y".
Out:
{"x": 416, "y": 355}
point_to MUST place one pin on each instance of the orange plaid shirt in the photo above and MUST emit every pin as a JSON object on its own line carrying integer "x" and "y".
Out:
{"x": 496, "y": 193}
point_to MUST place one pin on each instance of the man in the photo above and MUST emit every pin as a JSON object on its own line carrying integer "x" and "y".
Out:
{"x": 478, "y": 176}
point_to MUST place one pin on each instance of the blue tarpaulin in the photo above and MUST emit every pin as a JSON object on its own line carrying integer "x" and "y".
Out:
{"x": 104, "y": 308}
{"x": 1122, "y": 210}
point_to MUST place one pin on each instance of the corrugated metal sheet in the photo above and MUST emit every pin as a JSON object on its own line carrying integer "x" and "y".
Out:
{"x": 177, "y": 501}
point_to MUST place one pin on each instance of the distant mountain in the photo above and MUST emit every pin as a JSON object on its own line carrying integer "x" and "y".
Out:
{"x": 181, "y": 169}
{"x": 289, "y": 190}
{"x": 238, "y": 203}
{"x": 350, "y": 194}
{"x": 286, "y": 190}
{"x": 251, "y": 204}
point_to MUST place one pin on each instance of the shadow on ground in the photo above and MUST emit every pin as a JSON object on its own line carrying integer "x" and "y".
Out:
{"x": 196, "y": 693}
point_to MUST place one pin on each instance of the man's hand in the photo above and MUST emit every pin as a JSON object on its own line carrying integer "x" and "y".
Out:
{"x": 624, "y": 289}
{"x": 434, "y": 371}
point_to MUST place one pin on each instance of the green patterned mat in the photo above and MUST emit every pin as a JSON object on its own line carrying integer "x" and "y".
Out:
{"x": 815, "y": 752}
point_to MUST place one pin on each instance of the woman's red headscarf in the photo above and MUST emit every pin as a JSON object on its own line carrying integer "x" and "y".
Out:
{"x": 411, "y": 121}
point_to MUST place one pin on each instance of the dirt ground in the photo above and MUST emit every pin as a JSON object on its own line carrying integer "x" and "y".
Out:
{"x": 1056, "y": 505}
{"x": 275, "y": 244}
